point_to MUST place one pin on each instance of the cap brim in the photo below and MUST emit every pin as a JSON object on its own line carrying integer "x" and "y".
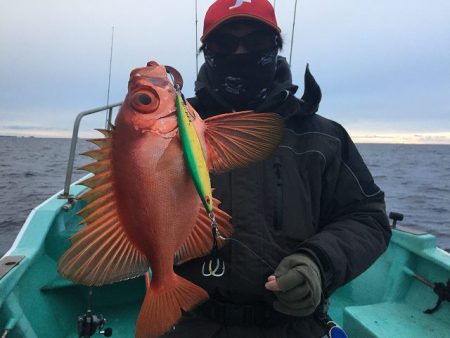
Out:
{"x": 237, "y": 16}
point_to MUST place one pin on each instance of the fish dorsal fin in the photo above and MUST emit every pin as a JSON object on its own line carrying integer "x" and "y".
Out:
{"x": 200, "y": 241}
{"x": 237, "y": 139}
{"x": 101, "y": 252}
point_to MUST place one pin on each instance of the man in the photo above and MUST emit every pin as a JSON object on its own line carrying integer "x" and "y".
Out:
{"x": 307, "y": 220}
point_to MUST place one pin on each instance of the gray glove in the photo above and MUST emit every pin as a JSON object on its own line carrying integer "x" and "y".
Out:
{"x": 300, "y": 283}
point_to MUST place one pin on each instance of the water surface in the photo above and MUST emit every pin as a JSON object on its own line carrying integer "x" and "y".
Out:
{"x": 415, "y": 178}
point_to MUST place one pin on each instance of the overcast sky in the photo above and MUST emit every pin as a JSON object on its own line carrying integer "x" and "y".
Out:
{"x": 383, "y": 66}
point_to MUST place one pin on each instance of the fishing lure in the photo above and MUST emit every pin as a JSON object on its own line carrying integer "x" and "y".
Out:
{"x": 194, "y": 155}
{"x": 196, "y": 163}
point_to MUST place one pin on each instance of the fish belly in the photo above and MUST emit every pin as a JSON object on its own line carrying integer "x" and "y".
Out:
{"x": 156, "y": 198}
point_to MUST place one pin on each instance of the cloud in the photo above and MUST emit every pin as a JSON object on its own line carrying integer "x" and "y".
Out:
{"x": 405, "y": 138}
{"x": 22, "y": 127}
{"x": 45, "y": 133}
{"x": 375, "y": 61}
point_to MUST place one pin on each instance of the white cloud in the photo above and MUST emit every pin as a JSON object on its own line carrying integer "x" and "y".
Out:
{"x": 405, "y": 138}
{"x": 370, "y": 58}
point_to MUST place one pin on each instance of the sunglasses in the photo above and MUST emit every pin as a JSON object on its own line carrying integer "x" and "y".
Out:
{"x": 258, "y": 41}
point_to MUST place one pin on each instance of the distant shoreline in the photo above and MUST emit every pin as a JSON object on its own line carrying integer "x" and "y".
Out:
{"x": 356, "y": 142}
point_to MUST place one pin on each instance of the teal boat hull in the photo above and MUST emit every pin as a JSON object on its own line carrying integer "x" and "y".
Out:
{"x": 35, "y": 301}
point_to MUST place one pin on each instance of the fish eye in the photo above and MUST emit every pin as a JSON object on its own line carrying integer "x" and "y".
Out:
{"x": 145, "y": 101}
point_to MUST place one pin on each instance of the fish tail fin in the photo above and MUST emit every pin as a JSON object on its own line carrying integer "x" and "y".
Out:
{"x": 162, "y": 307}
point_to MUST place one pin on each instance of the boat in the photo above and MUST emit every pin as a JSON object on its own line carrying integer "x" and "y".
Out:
{"x": 406, "y": 293}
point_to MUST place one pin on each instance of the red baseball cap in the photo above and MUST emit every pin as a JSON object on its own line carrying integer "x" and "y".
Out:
{"x": 223, "y": 10}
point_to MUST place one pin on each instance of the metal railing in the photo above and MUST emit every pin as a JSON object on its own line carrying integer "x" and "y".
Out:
{"x": 73, "y": 144}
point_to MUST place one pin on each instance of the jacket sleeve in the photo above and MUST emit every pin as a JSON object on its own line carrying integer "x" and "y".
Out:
{"x": 354, "y": 229}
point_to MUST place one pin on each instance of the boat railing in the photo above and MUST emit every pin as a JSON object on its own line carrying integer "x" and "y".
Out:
{"x": 76, "y": 126}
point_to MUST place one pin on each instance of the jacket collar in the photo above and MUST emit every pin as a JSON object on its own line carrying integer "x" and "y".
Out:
{"x": 281, "y": 98}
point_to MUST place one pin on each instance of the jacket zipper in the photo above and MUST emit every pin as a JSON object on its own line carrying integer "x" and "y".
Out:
{"x": 278, "y": 210}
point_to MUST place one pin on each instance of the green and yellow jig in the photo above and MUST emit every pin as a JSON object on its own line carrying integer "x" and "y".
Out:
{"x": 194, "y": 154}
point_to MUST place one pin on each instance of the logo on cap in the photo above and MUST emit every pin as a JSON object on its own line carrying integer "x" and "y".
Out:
{"x": 239, "y": 3}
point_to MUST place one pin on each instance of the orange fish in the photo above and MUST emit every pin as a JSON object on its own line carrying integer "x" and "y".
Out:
{"x": 143, "y": 210}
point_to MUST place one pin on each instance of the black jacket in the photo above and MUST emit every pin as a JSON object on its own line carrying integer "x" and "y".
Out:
{"x": 314, "y": 195}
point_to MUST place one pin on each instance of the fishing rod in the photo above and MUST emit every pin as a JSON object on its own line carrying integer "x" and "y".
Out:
{"x": 109, "y": 112}
{"x": 196, "y": 39}
{"x": 293, "y": 29}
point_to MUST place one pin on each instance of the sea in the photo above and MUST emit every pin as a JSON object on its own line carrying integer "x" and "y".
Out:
{"x": 415, "y": 179}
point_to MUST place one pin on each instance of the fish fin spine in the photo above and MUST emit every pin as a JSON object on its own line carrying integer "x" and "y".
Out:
{"x": 98, "y": 154}
{"x": 97, "y": 192}
{"x": 97, "y": 167}
{"x": 101, "y": 253}
{"x": 97, "y": 180}
{"x": 105, "y": 132}
{"x": 162, "y": 308}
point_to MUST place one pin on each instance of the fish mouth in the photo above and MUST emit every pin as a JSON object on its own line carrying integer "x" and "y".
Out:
{"x": 173, "y": 114}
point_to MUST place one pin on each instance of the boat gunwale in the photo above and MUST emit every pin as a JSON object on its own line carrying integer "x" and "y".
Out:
{"x": 32, "y": 213}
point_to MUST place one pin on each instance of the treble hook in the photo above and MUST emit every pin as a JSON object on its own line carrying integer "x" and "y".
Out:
{"x": 219, "y": 268}
{"x": 213, "y": 272}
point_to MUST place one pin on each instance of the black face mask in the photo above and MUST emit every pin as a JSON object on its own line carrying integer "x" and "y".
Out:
{"x": 243, "y": 80}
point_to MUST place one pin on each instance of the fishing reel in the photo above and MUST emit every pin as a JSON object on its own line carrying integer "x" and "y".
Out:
{"x": 89, "y": 324}
{"x": 396, "y": 217}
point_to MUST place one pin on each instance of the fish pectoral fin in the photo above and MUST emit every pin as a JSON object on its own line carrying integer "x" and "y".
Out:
{"x": 200, "y": 240}
{"x": 101, "y": 252}
{"x": 237, "y": 139}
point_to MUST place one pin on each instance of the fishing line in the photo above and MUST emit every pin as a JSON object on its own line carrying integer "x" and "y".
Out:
{"x": 108, "y": 117}
{"x": 196, "y": 40}
{"x": 292, "y": 36}
{"x": 249, "y": 249}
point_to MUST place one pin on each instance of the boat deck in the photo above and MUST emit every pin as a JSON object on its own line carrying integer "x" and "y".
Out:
{"x": 385, "y": 301}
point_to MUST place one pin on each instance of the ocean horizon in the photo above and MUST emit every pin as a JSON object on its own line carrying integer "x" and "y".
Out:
{"x": 414, "y": 177}
{"x": 436, "y": 138}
